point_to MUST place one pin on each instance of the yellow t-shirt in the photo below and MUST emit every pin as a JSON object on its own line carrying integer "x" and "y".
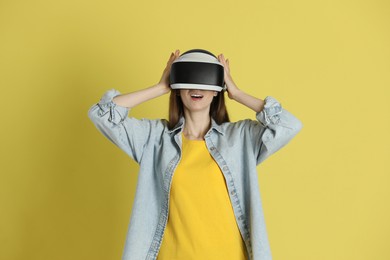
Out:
{"x": 201, "y": 222}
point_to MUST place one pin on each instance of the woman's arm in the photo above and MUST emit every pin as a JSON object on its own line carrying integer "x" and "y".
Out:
{"x": 252, "y": 102}
{"x": 133, "y": 99}
{"x": 275, "y": 126}
{"x": 110, "y": 116}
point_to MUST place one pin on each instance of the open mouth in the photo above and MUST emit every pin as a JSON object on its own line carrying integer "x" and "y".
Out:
{"x": 196, "y": 96}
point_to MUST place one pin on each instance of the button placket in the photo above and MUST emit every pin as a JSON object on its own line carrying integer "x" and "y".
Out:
{"x": 234, "y": 199}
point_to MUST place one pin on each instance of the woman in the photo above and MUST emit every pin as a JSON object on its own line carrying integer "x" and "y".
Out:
{"x": 212, "y": 208}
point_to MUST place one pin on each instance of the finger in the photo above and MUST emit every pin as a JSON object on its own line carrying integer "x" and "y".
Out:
{"x": 225, "y": 60}
{"x": 173, "y": 57}
{"x": 222, "y": 59}
{"x": 170, "y": 57}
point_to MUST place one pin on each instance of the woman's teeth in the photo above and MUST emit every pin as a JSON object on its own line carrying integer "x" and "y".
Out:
{"x": 196, "y": 96}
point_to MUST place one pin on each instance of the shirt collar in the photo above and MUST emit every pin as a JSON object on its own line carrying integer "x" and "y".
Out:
{"x": 180, "y": 124}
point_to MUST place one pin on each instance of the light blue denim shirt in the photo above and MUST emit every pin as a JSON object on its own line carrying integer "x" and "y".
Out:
{"x": 237, "y": 147}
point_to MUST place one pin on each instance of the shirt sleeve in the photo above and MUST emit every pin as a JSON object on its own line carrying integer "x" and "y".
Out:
{"x": 128, "y": 133}
{"x": 274, "y": 128}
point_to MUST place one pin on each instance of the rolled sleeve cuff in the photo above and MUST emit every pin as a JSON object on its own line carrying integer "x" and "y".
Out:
{"x": 116, "y": 113}
{"x": 270, "y": 113}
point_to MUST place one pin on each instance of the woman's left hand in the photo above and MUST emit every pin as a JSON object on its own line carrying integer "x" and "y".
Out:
{"x": 230, "y": 85}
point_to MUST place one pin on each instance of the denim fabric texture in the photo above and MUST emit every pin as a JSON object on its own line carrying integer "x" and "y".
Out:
{"x": 237, "y": 147}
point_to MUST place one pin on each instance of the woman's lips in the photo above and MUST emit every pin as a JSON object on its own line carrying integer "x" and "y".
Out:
{"x": 196, "y": 97}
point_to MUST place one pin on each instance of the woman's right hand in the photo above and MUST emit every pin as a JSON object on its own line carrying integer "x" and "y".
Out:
{"x": 164, "y": 81}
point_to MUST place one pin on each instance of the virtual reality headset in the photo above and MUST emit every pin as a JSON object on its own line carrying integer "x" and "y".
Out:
{"x": 197, "y": 69}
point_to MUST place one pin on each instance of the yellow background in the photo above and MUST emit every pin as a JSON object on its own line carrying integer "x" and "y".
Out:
{"x": 66, "y": 192}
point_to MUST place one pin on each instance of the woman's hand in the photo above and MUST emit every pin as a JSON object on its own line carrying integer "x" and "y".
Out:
{"x": 164, "y": 81}
{"x": 232, "y": 88}
{"x": 236, "y": 94}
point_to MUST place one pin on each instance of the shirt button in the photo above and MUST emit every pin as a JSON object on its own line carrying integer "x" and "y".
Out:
{"x": 233, "y": 192}
{"x": 212, "y": 148}
{"x": 225, "y": 168}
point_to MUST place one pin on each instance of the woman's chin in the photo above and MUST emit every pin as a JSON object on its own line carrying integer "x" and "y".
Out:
{"x": 198, "y": 108}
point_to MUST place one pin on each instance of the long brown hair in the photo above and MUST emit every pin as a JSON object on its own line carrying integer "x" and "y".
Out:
{"x": 218, "y": 109}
